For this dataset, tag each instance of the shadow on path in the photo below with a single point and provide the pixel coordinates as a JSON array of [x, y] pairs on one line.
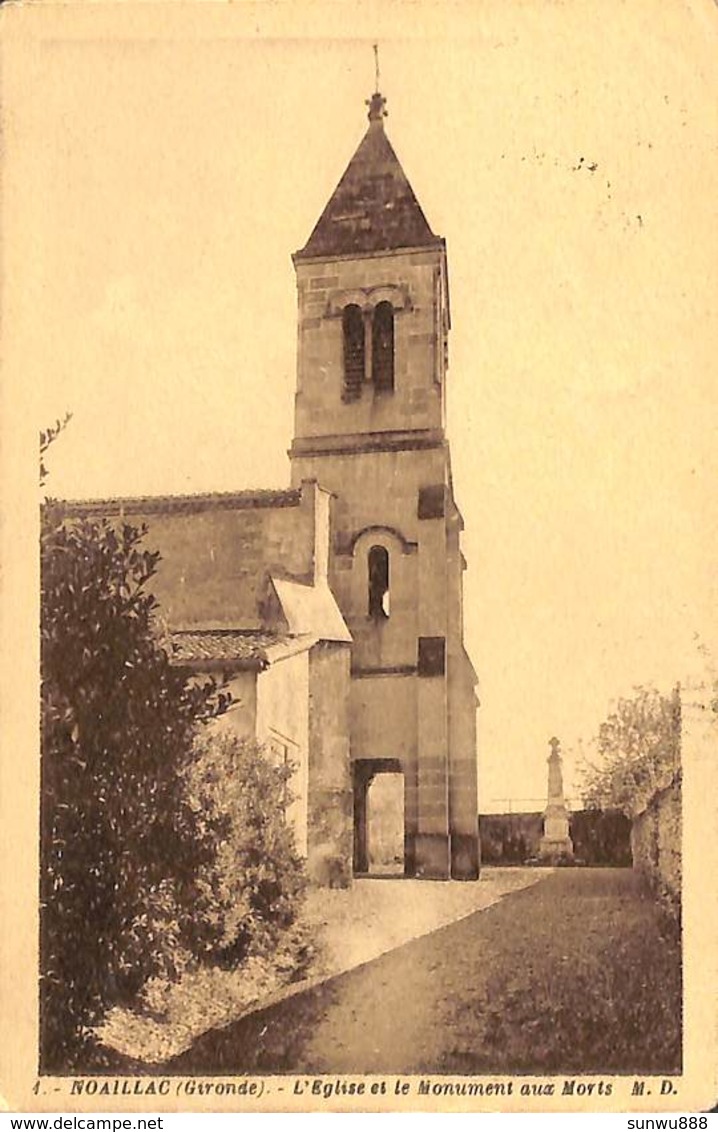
[[559, 977]]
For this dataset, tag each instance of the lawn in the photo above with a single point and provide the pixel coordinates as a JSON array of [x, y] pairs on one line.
[[579, 973]]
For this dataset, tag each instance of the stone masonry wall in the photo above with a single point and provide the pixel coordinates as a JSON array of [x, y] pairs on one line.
[[282, 722], [330, 810], [656, 844], [217, 550], [599, 837], [322, 290]]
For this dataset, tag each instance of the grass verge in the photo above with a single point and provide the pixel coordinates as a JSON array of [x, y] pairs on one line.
[[580, 973]]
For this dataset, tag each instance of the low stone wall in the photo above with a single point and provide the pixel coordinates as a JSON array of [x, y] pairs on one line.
[[599, 838], [509, 839], [656, 844]]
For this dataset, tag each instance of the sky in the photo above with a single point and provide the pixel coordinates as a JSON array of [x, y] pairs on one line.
[[163, 163]]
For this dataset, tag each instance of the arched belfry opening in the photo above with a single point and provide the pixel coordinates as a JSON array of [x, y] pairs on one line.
[[354, 363], [382, 347], [378, 587]]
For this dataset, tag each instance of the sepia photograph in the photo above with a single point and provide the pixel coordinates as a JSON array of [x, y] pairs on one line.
[[361, 646]]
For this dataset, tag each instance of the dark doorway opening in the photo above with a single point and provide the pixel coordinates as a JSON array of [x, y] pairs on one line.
[[379, 827]]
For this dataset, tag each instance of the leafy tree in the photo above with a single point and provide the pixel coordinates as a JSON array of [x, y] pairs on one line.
[[161, 843], [249, 891], [639, 751], [119, 848]]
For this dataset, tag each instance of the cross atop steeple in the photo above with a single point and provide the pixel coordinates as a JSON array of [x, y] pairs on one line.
[[373, 208], [377, 102], [376, 105]]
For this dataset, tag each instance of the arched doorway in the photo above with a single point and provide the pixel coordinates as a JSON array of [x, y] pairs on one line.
[[379, 829]]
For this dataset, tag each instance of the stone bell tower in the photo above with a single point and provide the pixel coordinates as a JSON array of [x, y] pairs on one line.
[[373, 309]]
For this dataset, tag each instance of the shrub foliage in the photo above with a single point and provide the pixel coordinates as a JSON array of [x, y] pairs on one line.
[[119, 851], [249, 889], [164, 842]]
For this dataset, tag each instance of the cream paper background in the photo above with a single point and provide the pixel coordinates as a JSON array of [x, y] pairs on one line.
[[160, 163]]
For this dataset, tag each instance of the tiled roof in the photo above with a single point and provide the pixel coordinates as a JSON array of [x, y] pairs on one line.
[[373, 208], [242, 646], [163, 504]]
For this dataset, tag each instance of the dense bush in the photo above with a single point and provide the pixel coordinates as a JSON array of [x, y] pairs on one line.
[[163, 842], [250, 888], [601, 837], [120, 853]]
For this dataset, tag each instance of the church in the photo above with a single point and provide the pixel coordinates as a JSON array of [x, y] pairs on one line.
[[333, 608]]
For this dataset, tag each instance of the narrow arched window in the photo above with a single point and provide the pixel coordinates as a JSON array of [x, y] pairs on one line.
[[382, 347], [378, 582], [353, 326]]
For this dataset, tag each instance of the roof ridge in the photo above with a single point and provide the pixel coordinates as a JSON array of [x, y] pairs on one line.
[[249, 497], [226, 631]]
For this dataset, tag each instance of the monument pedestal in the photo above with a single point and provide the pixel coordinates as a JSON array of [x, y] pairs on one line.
[[552, 847]]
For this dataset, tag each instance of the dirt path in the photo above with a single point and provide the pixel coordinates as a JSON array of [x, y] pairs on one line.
[[557, 977]]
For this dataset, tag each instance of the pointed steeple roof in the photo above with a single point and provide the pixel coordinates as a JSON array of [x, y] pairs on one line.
[[373, 208]]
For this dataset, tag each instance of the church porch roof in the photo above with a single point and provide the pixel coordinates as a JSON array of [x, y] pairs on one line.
[[311, 610], [244, 648]]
